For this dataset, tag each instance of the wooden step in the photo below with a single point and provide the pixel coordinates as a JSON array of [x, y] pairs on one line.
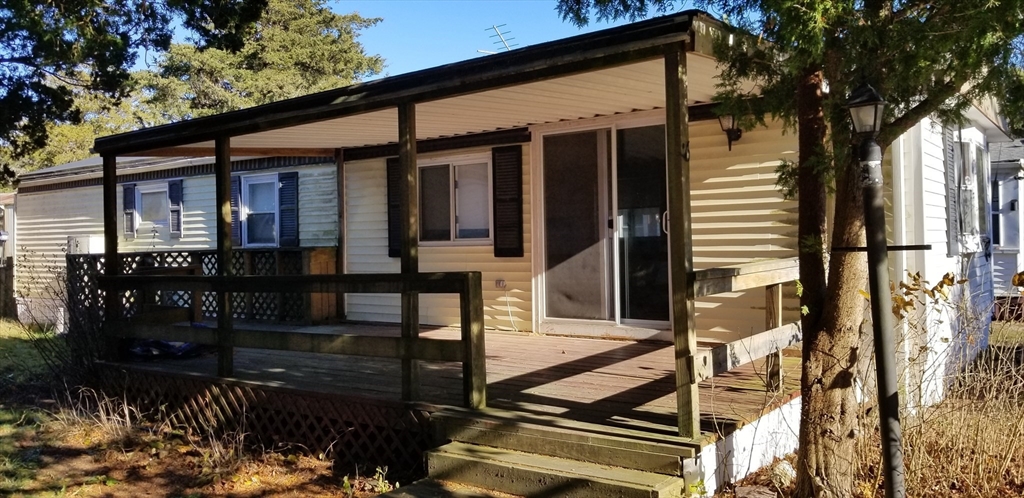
[[566, 439], [430, 488], [536, 476]]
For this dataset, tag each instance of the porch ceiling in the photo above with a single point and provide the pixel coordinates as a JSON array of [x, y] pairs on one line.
[[602, 92]]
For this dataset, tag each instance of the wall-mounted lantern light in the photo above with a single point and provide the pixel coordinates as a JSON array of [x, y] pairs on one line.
[[728, 124]]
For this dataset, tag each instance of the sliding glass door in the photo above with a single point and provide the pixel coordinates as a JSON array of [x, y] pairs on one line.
[[605, 239]]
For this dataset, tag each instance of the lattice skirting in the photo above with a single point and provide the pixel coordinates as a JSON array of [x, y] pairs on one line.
[[357, 432]]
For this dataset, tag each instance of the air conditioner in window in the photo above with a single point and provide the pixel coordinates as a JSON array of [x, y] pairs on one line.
[[85, 244]]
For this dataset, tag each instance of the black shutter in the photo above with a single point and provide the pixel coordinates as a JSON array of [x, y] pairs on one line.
[[507, 178], [236, 222], [129, 209], [952, 193], [174, 196], [288, 208], [394, 179]]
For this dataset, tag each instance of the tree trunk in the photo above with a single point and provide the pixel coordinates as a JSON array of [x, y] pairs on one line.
[[829, 413], [812, 195]]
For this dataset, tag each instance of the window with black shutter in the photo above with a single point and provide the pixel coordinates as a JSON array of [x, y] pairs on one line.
[[265, 210], [473, 199]]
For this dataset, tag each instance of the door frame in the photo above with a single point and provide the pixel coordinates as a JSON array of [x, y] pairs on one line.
[[615, 327]]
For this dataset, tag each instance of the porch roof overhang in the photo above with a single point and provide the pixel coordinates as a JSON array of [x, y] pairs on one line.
[[613, 71]]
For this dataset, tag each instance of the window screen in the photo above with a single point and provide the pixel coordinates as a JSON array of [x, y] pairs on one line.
[[261, 221], [435, 203], [154, 207]]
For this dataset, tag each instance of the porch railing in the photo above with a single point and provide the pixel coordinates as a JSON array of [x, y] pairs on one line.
[[469, 350], [770, 275], [83, 270]]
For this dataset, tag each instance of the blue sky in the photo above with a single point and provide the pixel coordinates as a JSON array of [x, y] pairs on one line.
[[417, 34]]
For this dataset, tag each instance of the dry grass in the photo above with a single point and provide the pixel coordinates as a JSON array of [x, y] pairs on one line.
[[971, 444]]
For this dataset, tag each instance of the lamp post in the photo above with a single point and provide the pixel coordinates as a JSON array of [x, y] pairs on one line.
[[866, 108]]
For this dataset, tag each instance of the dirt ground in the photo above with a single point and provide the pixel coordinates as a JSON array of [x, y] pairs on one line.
[[41, 455], [49, 449]]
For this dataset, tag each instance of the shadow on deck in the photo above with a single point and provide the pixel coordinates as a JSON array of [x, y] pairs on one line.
[[624, 384]]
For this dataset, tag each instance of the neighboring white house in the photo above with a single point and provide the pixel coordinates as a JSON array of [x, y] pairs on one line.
[[1007, 237], [167, 204], [941, 181]]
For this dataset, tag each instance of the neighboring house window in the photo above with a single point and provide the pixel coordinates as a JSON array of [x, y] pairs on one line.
[[259, 204], [455, 201], [967, 196], [967, 162], [264, 210], [153, 205], [997, 220]]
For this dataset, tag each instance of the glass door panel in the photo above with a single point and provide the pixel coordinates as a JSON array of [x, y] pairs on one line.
[[576, 214], [642, 238]]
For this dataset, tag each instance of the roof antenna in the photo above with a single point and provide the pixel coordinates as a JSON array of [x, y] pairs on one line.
[[500, 35]]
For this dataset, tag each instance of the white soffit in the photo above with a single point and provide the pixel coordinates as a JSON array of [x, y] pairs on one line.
[[615, 90]]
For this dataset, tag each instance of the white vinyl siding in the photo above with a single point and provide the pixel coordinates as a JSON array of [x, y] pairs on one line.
[[367, 252], [947, 343], [45, 221], [318, 206]]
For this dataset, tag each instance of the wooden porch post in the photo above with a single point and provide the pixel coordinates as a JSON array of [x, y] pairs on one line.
[[112, 309], [339, 268], [409, 192], [773, 320], [225, 324], [684, 329]]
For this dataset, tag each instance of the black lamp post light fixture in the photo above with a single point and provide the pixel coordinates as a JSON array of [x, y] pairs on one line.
[[867, 108], [728, 124]]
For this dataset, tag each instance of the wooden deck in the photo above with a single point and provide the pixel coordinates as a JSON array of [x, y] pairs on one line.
[[620, 383]]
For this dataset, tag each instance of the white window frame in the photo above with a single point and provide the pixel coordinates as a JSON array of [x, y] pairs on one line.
[[453, 162], [151, 188], [243, 208], [968, 153]]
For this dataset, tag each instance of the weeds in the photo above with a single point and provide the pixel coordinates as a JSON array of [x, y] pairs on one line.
[[962, 428], [99, 418]]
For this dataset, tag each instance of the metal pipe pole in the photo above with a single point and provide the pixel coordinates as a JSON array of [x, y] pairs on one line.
[[881, 318]]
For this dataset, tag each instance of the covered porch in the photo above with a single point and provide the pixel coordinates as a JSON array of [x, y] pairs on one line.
[[662, 66]]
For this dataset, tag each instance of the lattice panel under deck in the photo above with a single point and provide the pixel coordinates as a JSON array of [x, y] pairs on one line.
[[355, 431]]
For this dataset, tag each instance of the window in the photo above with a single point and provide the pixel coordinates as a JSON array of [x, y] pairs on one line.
[[969, 222], [498, 219], [152, 204], [259, 201], [265, 210], [455, 201]]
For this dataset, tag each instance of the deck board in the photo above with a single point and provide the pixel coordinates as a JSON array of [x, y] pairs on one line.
[[621, 383]]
